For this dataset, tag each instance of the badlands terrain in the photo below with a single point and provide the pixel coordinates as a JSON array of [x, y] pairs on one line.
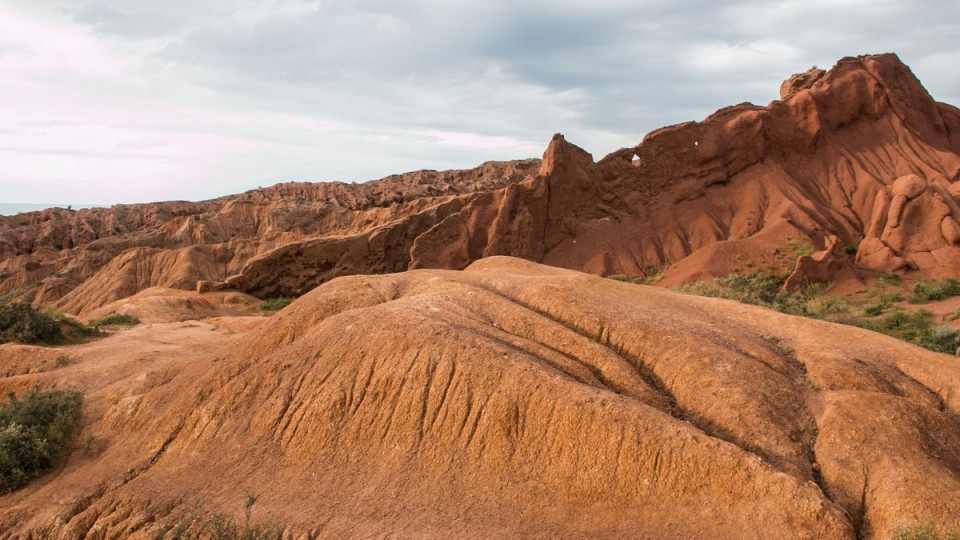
[[455, 363]]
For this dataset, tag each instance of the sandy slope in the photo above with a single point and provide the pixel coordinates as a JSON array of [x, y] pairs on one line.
[[508, 399]]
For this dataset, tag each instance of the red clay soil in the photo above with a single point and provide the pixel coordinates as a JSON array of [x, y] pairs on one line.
[[510, 399], [859, 157]]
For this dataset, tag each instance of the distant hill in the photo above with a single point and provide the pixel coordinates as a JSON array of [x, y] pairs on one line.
[[10, 209]]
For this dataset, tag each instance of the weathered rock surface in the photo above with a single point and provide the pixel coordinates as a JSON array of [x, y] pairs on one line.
[[800, 81], [510, 399], [861, 153]]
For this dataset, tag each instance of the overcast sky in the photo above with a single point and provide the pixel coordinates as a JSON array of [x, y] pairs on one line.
[[144, 100]]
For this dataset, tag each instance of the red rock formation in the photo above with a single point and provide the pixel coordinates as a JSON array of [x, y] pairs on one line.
[[702, 199]]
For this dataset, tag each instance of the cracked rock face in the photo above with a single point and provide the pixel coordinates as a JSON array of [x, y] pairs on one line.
[[509, 399], [914, 226]]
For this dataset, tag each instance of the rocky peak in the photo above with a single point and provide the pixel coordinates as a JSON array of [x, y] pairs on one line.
[[801, 81]]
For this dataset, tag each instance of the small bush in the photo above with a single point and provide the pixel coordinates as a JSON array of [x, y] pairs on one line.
[[276, 303], [892, 279], [942, 338], [933, 291], [758, 288], [34, 429], [907, 325], [22, 323], [619, 277], [115, 319], [91, 444]]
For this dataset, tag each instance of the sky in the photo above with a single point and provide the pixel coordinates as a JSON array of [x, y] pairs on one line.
[[137, 100]]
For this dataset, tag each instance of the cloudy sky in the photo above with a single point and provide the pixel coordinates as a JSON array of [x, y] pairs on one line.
[[139, 100]]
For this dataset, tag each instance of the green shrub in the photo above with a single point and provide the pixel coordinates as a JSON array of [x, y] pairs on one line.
[[72, 330], [907, 325], [34, 429], [276, 303], [115, 319], [22, 323], [619, 277], [759, 288], [942, 338], [933, 291]]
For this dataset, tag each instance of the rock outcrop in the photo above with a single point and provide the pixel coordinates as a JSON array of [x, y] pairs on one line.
[[915, 224], [861, 153]]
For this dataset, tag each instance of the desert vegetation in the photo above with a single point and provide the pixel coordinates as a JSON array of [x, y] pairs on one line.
[[276, 303], [22, 323], [115, 319], [219, 526], [914, 326], [933, 291], [34, 430], [922, 532]]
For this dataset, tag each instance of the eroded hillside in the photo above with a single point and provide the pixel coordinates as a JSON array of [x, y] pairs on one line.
[[529, 401], [860, 157]]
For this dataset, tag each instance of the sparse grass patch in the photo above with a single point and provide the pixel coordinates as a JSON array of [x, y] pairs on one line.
[[883, 304], [219, 526], [10, 296], [800, 249], [92, 446], [277, 303], [892, 279], [805, 381], [766, 289], [116, 319], [922, 532], [34, 429], [924, 292], [776, 340]]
